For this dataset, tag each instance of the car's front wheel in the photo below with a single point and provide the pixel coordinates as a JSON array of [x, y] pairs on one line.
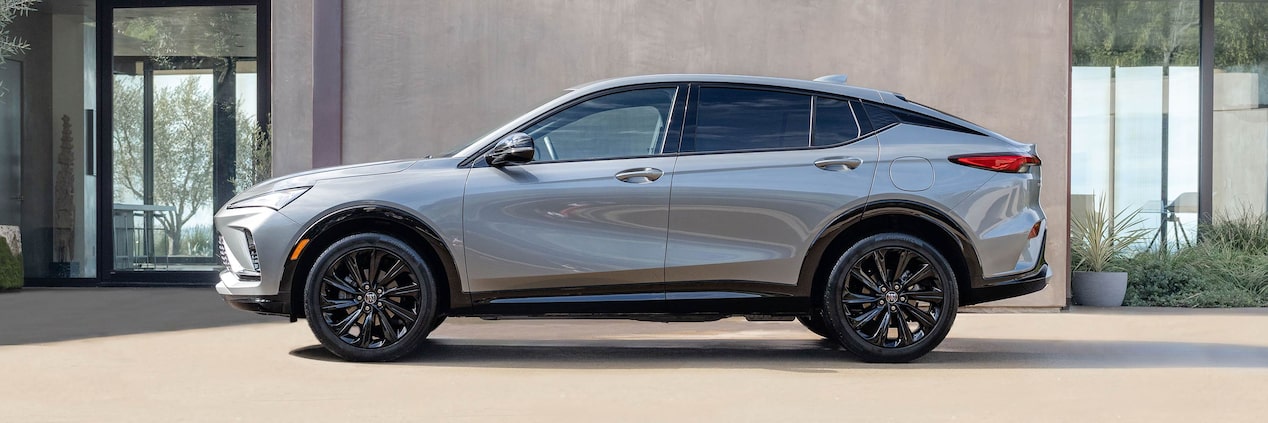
[[370, 297], [814, 322], [890, 298]]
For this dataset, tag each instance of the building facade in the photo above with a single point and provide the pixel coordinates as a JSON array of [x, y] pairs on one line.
[[128, 122]]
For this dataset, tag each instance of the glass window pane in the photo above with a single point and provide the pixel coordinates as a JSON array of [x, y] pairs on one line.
[[1240, 141], [625, 124], [1134, 111], [834, 122], [737, 119], [184, 102], [47, 142]]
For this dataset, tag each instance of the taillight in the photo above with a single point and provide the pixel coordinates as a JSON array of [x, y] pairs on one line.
[[1012, 163]]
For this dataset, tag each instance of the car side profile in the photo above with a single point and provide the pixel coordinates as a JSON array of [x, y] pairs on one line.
[[867, 217]]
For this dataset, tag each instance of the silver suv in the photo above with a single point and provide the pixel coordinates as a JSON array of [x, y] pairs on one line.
[[867, 217]]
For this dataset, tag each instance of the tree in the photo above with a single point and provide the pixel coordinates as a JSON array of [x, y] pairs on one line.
[[182, 154], [182, 147], [255, 152], [12, 46], [1136, 33], [183, 126], [10, 10]]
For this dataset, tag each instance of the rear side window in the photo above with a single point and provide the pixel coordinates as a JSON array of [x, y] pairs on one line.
[[730, 119], [882, 116], [834, 122]]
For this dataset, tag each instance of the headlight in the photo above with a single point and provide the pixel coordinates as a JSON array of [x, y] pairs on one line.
[[274, 200]]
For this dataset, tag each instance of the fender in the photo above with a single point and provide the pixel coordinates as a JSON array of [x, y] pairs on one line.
[[369, 213], [849, 221]]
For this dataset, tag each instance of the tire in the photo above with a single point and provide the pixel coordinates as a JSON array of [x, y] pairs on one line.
[[435, 322], [382, 323], [815, 323], [883, 324]]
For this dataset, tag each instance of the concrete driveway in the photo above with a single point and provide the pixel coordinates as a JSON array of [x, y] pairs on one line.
[[197, 360]]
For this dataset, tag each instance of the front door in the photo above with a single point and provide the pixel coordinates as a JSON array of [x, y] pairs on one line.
[[589, 212]]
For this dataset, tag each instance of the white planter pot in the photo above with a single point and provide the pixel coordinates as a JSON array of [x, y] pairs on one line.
[[1099, 289]]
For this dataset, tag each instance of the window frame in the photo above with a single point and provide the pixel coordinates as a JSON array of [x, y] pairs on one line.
[[669, 146]]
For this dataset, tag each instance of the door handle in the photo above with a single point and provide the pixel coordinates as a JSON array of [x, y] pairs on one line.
[[639, 175], [838, 163]]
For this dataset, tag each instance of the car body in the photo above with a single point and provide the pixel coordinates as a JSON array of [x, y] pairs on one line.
[[868, 217]]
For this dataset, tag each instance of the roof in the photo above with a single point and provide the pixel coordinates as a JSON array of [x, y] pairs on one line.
[[827, 87]]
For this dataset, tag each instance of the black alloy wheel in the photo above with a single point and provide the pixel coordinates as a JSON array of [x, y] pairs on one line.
[[890, 298], [370, 298]]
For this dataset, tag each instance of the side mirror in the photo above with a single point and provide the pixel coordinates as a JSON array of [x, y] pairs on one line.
[[514, 148]]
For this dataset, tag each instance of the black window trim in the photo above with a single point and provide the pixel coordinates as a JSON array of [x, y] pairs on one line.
[[672, 129]]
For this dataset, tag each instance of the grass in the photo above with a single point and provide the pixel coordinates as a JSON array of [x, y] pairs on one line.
[[10, 267], [1228, 267]]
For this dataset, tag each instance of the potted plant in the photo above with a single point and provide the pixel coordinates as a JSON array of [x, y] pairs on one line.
[[1097, 238]]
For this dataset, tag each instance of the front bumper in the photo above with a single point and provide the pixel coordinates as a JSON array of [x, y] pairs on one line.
[[254, 243], [275, 305]]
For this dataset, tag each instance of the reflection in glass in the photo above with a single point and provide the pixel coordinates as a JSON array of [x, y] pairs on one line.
[[50, 92], [1134, 111], [184, 123], [1240, 139]]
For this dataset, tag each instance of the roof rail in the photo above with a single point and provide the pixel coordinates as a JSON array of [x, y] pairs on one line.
[[833, 79]]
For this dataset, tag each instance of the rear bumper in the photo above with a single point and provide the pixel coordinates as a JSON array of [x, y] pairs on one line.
[[1013, 287]]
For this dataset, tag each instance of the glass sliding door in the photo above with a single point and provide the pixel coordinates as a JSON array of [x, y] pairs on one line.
[[184, 113]]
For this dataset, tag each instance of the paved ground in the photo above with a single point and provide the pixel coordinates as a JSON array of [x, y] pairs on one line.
[[178, 355]]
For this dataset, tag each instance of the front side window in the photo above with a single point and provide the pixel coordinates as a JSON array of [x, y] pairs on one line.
[[624, 124], [740, 119]]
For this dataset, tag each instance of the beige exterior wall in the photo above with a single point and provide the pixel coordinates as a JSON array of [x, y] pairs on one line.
[[292, 85], [421, 77]]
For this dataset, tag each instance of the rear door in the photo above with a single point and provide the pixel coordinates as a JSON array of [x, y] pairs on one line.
[[761, 172]]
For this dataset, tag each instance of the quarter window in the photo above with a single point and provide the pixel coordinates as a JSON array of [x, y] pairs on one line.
[[834, 122], [740, 119], [624, 124]]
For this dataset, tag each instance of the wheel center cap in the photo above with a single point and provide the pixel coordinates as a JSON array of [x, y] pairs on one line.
[[891, 297], [371, 297]]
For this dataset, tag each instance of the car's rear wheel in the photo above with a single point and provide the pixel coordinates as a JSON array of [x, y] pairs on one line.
[[370, 297], [890, 298]]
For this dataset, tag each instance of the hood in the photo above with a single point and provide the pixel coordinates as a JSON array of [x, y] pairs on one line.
[[310, 177]]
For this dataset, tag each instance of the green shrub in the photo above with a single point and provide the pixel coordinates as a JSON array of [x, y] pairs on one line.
[[1249, 234], [10, 267], [1227, 268]]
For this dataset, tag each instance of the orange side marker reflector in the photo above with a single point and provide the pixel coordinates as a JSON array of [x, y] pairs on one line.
[[299, 247], [1034, 230]]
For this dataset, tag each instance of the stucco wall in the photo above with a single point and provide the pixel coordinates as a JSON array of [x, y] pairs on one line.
[[292, 85], [423, 76]]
